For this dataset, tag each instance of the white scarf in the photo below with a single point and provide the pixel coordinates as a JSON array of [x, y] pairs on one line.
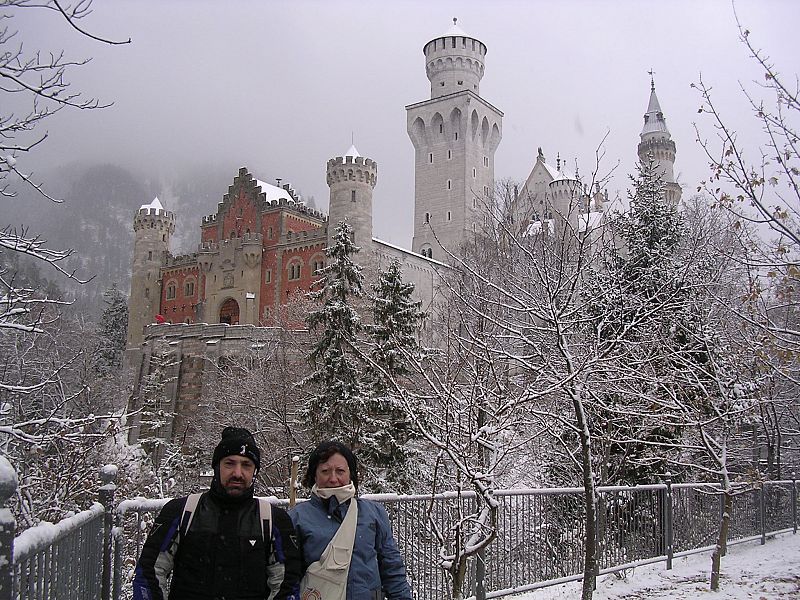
[[343, 493]]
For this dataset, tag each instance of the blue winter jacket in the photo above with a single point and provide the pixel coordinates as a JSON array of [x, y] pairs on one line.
[[376, 570]]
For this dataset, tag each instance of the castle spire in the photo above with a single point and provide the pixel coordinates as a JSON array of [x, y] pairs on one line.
[[654, 121], [656, 144]]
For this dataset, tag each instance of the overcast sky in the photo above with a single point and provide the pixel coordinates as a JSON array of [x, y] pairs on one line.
[[280, 86]]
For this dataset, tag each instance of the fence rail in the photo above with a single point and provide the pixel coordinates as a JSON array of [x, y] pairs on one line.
[[540, 537]]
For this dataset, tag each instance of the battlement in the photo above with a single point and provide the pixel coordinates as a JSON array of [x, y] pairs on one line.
[[154, 218], [238, 242], [182, 260], [305, 236], [352, 160], [352, 169]]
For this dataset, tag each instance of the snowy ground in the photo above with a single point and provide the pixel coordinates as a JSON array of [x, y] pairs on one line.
[[750, 571]]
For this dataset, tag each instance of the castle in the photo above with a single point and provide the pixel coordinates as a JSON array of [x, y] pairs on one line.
[[264, 247]]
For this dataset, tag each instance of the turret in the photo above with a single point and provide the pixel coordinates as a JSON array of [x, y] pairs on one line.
[[565, 198], [351, 179], [657, 141], [152, 226], [454, 62]]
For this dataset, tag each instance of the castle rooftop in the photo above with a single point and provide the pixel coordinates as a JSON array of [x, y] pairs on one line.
[[455, 30], [156, 204], [273, 192]]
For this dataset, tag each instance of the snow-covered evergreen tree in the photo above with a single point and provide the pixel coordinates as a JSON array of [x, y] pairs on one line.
[[113, 330], [396, 320], [338, 403]]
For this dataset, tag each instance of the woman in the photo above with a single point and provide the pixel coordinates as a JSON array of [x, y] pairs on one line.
[[376, 569]]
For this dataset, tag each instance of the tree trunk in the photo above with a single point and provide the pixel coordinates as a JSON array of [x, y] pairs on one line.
[[590, 504], [459, 577], [722, 541]]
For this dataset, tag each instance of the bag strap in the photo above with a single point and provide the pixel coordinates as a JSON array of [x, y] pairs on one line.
[[188, 512], [346, 534], [265, 516]]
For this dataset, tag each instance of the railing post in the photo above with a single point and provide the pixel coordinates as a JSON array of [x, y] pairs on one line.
[[794, 502], [762, 511], [668, 533], [108, 475], [8, 487]]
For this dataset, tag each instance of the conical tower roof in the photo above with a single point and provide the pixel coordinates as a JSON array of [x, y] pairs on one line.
[[654, 121]]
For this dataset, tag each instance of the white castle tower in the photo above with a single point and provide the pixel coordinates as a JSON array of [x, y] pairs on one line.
[[656, 140], [455, 135], [152, 228], [351, 179]]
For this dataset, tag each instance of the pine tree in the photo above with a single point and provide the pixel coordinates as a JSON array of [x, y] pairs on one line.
[[337, 406], [113, 331], [638, 296], [396, 322]]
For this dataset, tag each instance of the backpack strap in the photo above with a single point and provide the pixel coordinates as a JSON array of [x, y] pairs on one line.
[[188, 512], [265, 516]]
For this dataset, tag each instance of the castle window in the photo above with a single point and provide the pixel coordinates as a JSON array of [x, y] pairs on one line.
[[460, 82], [449, 184], [188, 289], [430, 157], [318, 266], [269, 233], [352, 195], [171, 290], [427, 217], [486, 190], [441, 125], [267, 276], [294, 271], [449, 154], [146, 292], [449, 216], [164, 238], [474, 202], [149, 255], [485, 161], [454, 42], [474, 172], [456, 135]]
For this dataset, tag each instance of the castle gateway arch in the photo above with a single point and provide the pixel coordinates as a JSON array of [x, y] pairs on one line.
[[229, 312]]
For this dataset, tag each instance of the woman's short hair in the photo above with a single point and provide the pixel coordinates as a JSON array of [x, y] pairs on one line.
[[322, 453]]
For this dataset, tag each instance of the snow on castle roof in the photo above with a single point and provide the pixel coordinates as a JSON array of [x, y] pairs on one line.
[[352, 151], [156, 203], [455, 29], [273, 192]]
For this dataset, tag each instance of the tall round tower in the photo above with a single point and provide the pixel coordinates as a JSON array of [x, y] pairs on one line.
[[352, 178], [454, 62], [152, 228], [656, 140], [455, 134]]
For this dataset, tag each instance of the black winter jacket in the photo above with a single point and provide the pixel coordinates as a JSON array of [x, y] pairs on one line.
[[223, 556]]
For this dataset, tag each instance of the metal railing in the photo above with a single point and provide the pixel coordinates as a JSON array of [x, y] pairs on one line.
[[540, 537]]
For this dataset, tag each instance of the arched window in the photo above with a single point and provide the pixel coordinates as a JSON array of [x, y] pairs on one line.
[[172, 288], [295, 267], [188, 288]]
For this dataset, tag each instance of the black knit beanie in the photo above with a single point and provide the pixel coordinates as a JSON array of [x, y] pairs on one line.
[[239, 441]]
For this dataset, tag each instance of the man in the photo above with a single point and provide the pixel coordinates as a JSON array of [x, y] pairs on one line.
[[219, 551]]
